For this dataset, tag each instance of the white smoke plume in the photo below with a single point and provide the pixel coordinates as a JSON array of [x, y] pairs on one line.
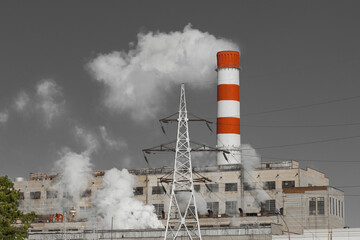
[[116, 201], [21, 101], [50, 100], [251, 160], [88, 139], [47, 101], [4, 116], [137, 80], [111, 142], [184, 197], [75, 169]]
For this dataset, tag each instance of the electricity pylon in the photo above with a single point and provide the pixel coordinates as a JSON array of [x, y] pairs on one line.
[[182, 215]]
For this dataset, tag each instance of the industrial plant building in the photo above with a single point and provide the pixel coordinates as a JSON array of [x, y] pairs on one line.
[[272, 199], [297, 199]]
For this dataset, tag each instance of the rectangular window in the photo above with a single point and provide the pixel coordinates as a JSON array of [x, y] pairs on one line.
[[336, 207], [212, 187], [333, 206], [86, 193], [51, 194], [342, 209], [157, 190], [248, 186], [159, 210], [270, 206], [138, 191], [230, 207], [213, 206], [288, 184], [312, 206], [330, 205], [197, 188], [35, 195], [269, 185], [230, 187], [67, 195], [320, 206]]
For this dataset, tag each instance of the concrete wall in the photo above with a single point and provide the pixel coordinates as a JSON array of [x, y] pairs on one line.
[[296, 206]]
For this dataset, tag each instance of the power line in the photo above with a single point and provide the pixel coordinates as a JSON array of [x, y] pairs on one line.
[[300, 106], [302, 160], [307, 143], [302, 126], [303, 106]]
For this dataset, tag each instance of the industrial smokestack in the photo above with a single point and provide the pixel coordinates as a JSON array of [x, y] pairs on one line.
[[228, 116]]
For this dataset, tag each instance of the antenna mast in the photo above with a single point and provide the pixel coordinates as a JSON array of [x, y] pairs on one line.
[[182, 219]]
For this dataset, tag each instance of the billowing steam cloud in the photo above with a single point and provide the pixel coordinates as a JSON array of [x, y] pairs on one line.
[[251, 160], [116, 201], [137, 80], [76, 169]]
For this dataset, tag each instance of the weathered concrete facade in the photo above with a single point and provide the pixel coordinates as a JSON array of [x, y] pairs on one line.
[[280, 193]]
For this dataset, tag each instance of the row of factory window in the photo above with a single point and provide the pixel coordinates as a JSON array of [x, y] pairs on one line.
[[53, 194], [336, 207], [317, 206], [229, 187], [231, 208]]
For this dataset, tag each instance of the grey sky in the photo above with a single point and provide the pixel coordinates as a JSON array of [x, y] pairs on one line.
[[292, 53]]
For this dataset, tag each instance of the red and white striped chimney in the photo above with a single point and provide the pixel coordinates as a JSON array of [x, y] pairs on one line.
[[228, 116]]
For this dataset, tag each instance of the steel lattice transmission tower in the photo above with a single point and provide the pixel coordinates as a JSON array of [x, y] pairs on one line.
[[182, 218]]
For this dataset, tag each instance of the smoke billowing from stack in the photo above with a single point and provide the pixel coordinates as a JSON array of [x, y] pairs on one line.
[[228, 118]]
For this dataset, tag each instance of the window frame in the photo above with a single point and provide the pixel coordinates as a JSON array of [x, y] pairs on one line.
[[157, 190], [231, 187], [288, 184], [35, 195]]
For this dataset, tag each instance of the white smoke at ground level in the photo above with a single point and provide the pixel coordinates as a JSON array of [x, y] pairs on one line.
[[75, 171], [116, 202], [137, 80]]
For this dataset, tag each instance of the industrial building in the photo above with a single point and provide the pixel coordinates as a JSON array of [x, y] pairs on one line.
[[298, 199], [273, 199]]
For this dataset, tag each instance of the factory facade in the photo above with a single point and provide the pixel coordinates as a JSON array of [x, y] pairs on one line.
[[275, 193]]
